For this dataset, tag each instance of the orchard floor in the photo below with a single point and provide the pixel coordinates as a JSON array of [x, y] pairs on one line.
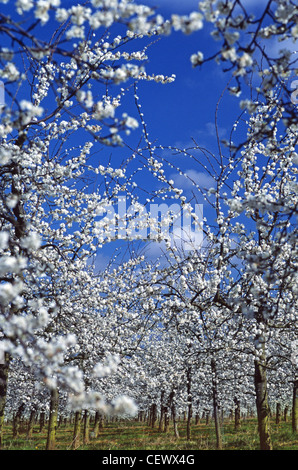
[[131, 435]]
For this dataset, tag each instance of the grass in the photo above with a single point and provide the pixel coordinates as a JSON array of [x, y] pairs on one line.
[[131, 435]]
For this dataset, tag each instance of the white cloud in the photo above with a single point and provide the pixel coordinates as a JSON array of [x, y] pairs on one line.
[[100, 262], [192, 178], [274, 46], [184, 239], [212, 130]]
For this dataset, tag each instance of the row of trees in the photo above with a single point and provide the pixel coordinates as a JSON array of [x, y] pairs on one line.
[[216, 324]]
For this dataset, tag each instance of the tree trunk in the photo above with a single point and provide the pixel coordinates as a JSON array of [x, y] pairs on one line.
[[189, 399], [216, 406], [31, 423], [166, 419], [161, 419], [153, 414], [262, 404], [96, 424], [295, 407], [175, 424], [3, 390], [77, 430], [172, 407], [17, 420], [286, 414], [52, 426], [41, 421], [237, 413], [278, 413], [86, 427]]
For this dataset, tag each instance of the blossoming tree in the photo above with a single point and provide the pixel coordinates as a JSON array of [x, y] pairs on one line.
[[66, 72], [60, 78]]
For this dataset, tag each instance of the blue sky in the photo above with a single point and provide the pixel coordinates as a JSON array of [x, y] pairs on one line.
[[184, 110]]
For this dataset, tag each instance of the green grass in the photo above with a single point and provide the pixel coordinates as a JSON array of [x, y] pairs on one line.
[[130, 435]]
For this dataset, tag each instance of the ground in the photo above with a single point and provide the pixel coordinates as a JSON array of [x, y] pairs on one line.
[[131, 435]]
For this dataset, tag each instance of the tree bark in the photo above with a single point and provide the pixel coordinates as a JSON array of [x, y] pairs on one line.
[[286, 414], [161, 418], [263, 411], [189, 399], [41, 421], [237, 413], [96, 424], [216, 406], [52, 426], [175, 424], [17, 420], [86, 427], [77, 430], [31, 423], [153, 413], [166, 419], [172, 407], [278, 413], [4, 368], [295, 407]]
